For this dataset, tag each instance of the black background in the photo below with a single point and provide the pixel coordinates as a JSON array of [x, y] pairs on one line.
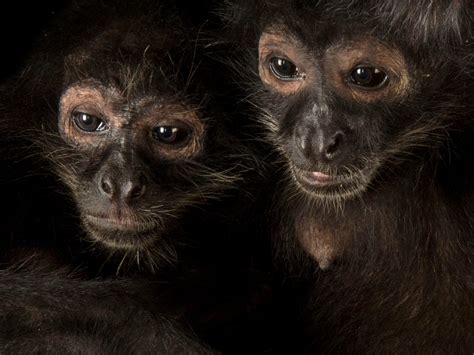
[[21, 23]]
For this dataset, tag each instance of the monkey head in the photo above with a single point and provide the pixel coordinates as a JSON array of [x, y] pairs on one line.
[[348, 88], [130, 138]]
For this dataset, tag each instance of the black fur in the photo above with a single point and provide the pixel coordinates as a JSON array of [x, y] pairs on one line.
[[54, 312], [398, 253], [141, 48]]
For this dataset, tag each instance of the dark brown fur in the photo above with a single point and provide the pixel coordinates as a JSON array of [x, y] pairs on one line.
[[397, 253], [129, 51]]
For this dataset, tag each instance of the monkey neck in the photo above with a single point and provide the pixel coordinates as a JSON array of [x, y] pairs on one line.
[[413, 219], [392, 262]]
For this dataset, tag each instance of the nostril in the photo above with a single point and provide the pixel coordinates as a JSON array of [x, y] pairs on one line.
[[138, 188], [106, 186], [335, 144], [137, 191]]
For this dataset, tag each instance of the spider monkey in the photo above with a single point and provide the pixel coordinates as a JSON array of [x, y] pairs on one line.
[[370, 106], [118, 101], [124, 134]]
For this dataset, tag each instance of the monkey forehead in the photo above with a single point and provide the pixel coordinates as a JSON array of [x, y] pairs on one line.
[[367, 45], [96, 91], [83, 91], [278, 33], [279, 39], [362, 43]]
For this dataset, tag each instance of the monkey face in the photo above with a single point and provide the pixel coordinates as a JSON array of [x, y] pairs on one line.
[[126, 175], [328, 108], [138, 137]]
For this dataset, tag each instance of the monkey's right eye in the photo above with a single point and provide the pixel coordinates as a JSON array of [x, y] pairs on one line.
[[283, 69], [88, 123]]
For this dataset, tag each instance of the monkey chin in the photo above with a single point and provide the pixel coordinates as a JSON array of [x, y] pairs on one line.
[[124, 238]]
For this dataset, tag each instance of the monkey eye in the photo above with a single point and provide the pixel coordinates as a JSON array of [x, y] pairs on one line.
[[283, 69], [88, 123], [171, 135], [368, 77]]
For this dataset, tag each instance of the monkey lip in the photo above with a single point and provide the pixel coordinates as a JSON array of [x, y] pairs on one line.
[[317, 178], [122, 231], [320, 178], [112, 223], [331, 183]]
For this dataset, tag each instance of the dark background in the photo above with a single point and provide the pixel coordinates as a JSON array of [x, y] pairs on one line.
[[21, 24]]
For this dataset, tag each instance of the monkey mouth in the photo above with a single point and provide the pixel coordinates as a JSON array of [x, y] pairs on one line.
[[318, 178], [119, 224], [326, 185], [120, 233]]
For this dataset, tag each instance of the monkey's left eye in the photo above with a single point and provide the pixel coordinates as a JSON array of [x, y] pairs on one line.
[[88, 123], [171, 135], [283, 69], [368, 77]]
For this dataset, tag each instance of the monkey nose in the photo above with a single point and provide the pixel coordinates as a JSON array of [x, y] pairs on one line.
[[123, 188], [318, 146]]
